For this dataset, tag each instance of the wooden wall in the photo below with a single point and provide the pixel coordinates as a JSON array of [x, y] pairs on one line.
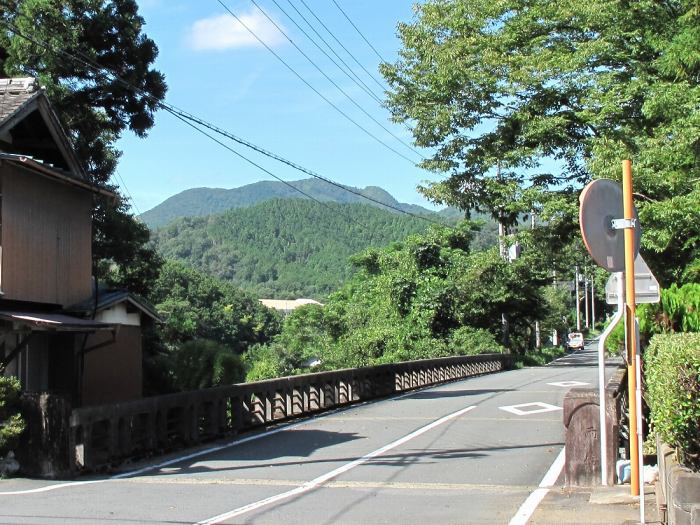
[[113, 373], [46, 238]]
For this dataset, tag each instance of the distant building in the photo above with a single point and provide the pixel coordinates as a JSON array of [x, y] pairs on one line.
[[286, 306]]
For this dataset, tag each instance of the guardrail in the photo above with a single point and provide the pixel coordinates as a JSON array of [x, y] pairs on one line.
[[106, 435]]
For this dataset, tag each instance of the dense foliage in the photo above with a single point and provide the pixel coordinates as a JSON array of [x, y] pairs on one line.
[[283, 248], [672, 371], [426, 297], [11, 422], [94, 108], [677, 311], [201, 315], [197, 202], [202, 364], [496, 87]]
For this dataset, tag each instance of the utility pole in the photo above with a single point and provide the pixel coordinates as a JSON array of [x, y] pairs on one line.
[[578, 300], [538, 337], [585, 295], [592, 303]]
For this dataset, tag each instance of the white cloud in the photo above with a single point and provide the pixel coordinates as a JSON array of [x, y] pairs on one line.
[[222, 32]]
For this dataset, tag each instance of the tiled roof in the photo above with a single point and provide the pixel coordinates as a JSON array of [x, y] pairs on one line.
[[15, 93]]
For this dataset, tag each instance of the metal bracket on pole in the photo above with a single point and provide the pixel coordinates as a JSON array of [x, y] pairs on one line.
[[623, 224], [601, 380]]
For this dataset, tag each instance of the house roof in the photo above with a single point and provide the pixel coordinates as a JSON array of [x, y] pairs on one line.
[[30, 127], [108, 298], [287, 305], [14, 94], [54, 322], [52, 172]]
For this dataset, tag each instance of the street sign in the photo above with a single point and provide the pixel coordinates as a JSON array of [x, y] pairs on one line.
[[646, 286], [601, 204]]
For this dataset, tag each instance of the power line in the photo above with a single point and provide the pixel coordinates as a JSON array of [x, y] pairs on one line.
[[261, 168], [358, 31], [193, 119], [128, 193], [370, 75], [347, 70], [334, 106]]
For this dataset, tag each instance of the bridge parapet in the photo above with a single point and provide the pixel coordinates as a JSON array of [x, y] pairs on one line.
[[106, 435]]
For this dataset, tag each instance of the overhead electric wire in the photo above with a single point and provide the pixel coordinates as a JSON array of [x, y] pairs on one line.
[[320, 70], [358, 31], [190, 118], [370, 75], [265, 170], [128, 193], [347, 71]]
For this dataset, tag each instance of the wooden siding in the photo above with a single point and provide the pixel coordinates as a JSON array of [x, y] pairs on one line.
[[113, 373], [46, 239]]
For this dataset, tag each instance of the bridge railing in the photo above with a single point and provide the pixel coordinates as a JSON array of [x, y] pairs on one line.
[[102, 436]]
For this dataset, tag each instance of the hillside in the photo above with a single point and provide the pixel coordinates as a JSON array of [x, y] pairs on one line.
[[283, 248], [198, 202]]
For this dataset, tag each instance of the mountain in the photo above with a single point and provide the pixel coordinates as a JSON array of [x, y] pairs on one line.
[[283, 248], [198, 202]]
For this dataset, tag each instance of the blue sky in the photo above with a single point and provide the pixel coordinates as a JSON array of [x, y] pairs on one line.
[[217, 71]]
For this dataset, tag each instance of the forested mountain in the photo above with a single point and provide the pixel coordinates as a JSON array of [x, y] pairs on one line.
[[283, 248], [198, 202]]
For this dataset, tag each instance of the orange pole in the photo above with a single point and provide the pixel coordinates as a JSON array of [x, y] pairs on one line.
[[631, 336]]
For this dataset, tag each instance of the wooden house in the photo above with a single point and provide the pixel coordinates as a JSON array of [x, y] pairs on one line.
[[46, 203]]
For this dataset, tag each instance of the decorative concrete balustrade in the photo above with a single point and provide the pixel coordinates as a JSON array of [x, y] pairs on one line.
[[107, 435]]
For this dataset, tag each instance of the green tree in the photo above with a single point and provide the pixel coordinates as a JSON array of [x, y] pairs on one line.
[[495, 87], [425, 297], [11, 421], [202, 364], [94, 108], [196, 306], [204, 314]]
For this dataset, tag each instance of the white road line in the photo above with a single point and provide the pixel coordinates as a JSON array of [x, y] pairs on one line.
[[157, 466], [550, 478], [316, 482]]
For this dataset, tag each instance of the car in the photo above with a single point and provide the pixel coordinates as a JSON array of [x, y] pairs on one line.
[[574, 341]]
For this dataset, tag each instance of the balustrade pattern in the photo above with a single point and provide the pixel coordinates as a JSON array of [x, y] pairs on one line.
[[106, 435]]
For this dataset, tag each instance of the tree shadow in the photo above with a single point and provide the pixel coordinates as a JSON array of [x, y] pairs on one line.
[[270, 456]]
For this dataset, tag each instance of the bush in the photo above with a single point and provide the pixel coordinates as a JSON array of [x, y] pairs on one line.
[[202, 364], [11, 422], [672, 371]]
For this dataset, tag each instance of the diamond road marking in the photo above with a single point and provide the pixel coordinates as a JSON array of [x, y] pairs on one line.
[[567, 384], [543, 407]]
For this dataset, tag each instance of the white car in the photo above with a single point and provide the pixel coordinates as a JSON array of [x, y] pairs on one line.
[[574, 341]]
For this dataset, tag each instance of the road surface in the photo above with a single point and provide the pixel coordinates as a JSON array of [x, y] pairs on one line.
[[473, 451]]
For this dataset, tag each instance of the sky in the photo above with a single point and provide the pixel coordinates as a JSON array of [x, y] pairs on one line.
[[216, 70]]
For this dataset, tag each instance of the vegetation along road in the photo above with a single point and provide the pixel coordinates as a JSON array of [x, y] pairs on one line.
[[470, 451]]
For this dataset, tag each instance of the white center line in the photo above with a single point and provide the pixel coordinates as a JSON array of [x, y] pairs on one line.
[[316, 482]]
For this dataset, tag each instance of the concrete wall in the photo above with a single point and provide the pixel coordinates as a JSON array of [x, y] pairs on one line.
[[107, 434]]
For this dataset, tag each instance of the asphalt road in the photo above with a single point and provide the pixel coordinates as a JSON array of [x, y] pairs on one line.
[[472, 451]]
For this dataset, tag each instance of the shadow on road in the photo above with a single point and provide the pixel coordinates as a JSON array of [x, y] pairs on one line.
[[269, 457], [433, 394]]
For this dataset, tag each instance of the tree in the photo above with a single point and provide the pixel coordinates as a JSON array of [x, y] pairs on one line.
[[428, 296], [495, 87], [94, 108]]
